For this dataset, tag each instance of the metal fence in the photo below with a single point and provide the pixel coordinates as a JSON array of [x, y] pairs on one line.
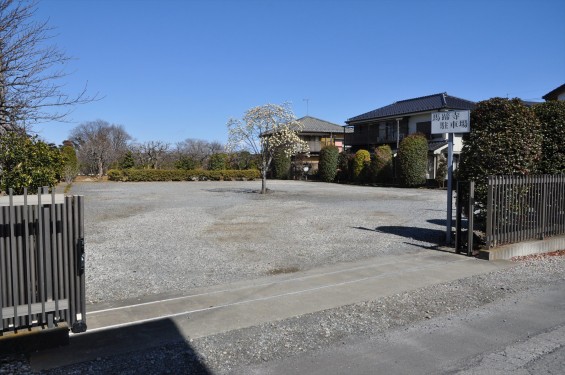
[[521, 208], [41, 262]]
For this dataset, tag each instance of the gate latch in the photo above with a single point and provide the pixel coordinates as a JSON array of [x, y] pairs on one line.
[[80, 256]]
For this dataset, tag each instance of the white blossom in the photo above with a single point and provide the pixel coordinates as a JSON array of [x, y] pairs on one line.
[[265, 130]]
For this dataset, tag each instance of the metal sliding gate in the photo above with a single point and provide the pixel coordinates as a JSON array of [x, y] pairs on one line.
[[41, 262], [465, 193]]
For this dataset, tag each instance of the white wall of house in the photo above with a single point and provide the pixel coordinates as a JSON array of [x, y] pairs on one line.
[[457, 143], [413, 120], [561, 96]]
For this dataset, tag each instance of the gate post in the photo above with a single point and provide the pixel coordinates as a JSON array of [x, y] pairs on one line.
[[471, 217], [490, 199], [458, 204]]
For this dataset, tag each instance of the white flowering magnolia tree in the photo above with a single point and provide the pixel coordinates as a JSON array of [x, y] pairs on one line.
[[264, 131]]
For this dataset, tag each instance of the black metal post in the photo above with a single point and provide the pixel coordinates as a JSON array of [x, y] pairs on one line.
[[458, 210], [471, 216]]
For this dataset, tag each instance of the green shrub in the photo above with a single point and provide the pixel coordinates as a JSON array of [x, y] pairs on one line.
[[382, 164], [505, 138], [327, 167], [27, 162], [139, 175], [70, 167], [281, 166], [218, 162], [441, 171], [127, 161], [187, 163], [361, 163], [413, 160], [345, 162], [116, 175], [551, 116], [243, 160]]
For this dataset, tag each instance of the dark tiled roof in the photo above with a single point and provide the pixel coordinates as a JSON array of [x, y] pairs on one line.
[[552, 95], [315, 125], [436, 145], [416, 105], [528, 103]]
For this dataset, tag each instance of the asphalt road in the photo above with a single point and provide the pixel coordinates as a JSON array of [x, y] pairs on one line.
[[522, 334]]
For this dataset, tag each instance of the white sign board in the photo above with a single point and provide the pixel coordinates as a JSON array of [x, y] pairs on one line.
[[451, 122]]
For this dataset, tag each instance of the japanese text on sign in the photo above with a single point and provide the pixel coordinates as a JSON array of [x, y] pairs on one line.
[[451, 122]]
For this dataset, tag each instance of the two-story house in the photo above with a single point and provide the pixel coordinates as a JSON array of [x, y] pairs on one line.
[[391, 123], [319, 133]]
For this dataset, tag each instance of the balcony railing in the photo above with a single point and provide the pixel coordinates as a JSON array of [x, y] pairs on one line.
[[363, 139]]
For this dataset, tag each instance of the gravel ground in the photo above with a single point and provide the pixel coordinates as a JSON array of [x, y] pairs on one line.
[[219, 354], [210, 233], [153, 238]]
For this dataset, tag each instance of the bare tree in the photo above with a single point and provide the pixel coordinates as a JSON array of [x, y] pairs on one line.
[[198, 150], [99, 144], [266, 130], [31, 70], [215, 147], [150, 154]]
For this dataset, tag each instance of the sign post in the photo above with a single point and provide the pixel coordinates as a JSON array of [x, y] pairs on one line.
[[450, 122]]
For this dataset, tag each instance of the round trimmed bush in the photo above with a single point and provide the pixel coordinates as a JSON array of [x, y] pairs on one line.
[[413, 160], [382, 164], [327, 167], [281, 166], [344, 163], [361, 163]]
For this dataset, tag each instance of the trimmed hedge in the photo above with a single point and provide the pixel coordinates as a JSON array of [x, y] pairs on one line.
[[505, 138], [327, 167], [280, 166], [552, 118], [381, 167], [344, 164], [139, 175], [361, 163], [413, 160]]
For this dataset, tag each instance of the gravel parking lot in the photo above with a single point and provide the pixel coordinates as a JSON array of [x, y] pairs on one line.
[[280, 232], [155, 238]]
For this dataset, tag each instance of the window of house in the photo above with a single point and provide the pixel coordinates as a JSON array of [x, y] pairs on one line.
[[424, 128], [391, 130], [382, 131]]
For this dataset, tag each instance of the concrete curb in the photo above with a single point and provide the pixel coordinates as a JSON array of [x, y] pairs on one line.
[[524, 248]]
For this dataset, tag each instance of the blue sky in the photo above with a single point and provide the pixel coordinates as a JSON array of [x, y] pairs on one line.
[[170, 70]]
